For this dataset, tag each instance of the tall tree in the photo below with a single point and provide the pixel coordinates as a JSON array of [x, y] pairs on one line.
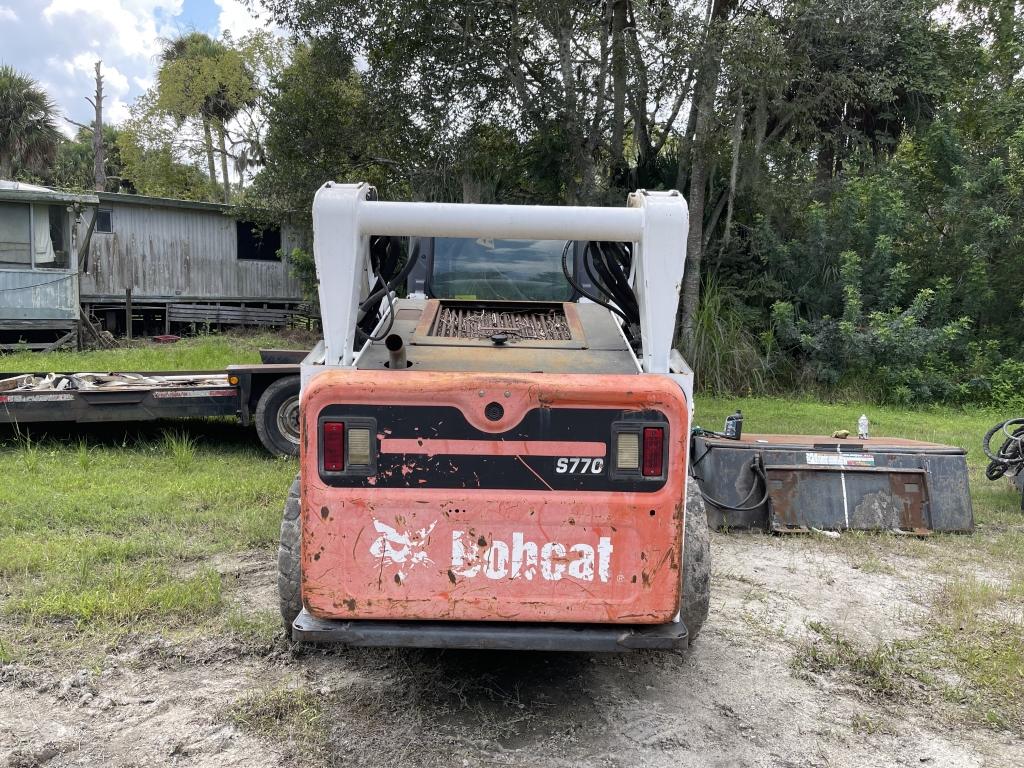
[[28, 127], [702, 116], [583, 71], [207, 80], [153, 167], [322, 126], [99, 180], [99, 171]]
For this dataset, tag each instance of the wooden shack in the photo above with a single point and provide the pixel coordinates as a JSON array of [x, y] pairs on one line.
[[39, 251], [166, 261]]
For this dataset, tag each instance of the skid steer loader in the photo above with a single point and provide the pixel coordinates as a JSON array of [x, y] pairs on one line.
[[500, 459]]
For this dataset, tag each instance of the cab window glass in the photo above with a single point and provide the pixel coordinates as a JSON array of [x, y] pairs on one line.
[[499, 270]]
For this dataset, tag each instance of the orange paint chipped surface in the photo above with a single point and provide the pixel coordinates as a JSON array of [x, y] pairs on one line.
[[469, 553]]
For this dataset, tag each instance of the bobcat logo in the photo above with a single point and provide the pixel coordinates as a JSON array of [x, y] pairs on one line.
[[406, 550]]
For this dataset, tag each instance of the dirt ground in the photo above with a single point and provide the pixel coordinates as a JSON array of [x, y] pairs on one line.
[[734, 699]]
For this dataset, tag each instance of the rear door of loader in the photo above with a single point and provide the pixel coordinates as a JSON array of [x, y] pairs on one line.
[[531, 498]]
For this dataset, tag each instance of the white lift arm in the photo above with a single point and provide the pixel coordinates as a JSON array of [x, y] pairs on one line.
[[346, 215]]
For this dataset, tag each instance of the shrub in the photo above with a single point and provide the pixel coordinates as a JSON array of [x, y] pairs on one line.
[[900, 355], [725, 356]]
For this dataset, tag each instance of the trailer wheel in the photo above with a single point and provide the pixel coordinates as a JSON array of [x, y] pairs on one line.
[[696, 563], [289, 567], [277, 417]]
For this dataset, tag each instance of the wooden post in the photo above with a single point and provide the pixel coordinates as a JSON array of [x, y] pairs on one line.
[[167, 318], [85, 309], [128, 312]]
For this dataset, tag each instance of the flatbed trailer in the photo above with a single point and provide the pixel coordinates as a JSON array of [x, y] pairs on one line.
[[264, 395]]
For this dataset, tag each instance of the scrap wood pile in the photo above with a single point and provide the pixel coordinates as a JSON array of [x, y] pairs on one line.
[[55, 382]]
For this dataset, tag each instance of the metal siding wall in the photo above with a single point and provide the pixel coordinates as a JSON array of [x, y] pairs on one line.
[[41, 294], [49, 301], [180, 252]]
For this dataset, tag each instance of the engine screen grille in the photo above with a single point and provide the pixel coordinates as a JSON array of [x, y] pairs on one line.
[[546, 324]]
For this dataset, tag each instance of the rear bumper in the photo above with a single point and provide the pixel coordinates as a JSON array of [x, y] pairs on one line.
[[593, 638]]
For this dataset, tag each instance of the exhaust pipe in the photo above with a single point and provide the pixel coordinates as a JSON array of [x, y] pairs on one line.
[[396, 352]]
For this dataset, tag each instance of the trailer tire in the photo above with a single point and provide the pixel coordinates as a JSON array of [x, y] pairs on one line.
[[277, 417], [696, 598], [289, 565]]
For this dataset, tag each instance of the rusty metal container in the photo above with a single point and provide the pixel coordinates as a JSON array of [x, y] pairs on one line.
[[795, 483]]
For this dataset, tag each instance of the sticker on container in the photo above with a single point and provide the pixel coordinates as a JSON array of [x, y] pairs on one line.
[[45, 398], [841, 459], [194, 393]]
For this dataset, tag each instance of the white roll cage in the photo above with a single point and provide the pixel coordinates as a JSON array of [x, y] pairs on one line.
[[346, 215]]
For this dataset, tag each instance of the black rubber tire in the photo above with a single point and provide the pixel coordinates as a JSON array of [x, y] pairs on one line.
[[282, 394], [289, 566], [696, 598]]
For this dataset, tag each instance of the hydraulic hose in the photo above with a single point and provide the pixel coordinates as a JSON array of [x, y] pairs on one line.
[[374, 298], [580, 290], [382, 286], [612, 282], [758, 470]]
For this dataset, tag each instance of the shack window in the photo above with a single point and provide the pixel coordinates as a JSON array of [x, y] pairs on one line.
[[15, 235], [50, 236], [257, 243], [104, 220]]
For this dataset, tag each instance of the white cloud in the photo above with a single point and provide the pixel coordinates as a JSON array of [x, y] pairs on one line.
[[113, 80], [59, 41], [131, 26], [238, 20], [115, 111]]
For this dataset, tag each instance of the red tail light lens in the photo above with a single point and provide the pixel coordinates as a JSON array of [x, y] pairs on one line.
[[654, 454], [334, 446]]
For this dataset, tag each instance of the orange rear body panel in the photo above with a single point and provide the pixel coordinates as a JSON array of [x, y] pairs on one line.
[[399, 547]]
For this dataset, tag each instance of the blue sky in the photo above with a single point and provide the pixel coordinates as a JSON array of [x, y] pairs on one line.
[[57, 42]]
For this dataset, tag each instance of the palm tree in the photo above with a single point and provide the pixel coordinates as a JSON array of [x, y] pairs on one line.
[[203, 78], [28, 129]]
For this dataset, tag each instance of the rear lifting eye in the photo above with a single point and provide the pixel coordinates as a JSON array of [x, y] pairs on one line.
[[494, 411]]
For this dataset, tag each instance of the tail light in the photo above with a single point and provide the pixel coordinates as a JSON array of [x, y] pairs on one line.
[[627, 451], [638, 450], [348, 445], [358, 447], [654, 451], [334, 446]]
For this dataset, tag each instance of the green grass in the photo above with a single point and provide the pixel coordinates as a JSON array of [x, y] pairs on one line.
[[286, 715], [978, 625], [124, 593], [884, 671], [200, 353], [103, 534], [110, 529], [181, 448]]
